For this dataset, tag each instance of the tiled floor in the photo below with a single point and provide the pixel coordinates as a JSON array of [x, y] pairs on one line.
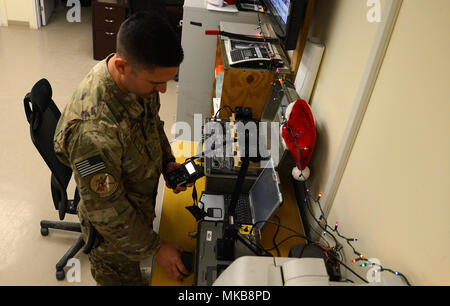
[[62, 53]]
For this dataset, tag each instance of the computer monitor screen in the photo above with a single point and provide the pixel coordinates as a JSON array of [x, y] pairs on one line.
[[287, 19], [280, 10], [265, 196]]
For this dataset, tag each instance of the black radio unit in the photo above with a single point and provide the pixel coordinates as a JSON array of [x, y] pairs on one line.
[[189, 172]]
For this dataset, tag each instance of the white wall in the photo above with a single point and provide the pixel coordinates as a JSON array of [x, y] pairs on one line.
[[394, 194], [348, 37], [3, 16], [18, 10]]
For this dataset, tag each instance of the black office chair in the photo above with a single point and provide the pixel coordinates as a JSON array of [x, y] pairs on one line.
[[43, 117]]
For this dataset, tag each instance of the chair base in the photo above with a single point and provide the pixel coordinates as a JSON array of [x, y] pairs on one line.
[[76, 247], [65, 226]]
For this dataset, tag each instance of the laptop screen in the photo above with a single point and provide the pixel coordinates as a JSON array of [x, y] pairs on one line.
[[265, 196]]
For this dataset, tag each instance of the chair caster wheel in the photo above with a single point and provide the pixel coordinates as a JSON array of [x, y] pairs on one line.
[[44, 231], [60, 275]]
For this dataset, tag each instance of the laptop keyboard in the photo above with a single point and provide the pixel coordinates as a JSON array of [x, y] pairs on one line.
[[243, 212], [237, 55]]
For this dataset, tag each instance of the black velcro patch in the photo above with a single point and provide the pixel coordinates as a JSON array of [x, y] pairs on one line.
[[90, 166]]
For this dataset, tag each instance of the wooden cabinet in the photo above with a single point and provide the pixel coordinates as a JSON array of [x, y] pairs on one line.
[[107, 16], [245, 87]]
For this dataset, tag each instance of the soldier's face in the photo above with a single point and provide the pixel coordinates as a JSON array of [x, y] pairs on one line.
[[145, 83]]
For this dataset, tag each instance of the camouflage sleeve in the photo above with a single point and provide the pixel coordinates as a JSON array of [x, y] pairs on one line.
[[165, 145], [96, 161]]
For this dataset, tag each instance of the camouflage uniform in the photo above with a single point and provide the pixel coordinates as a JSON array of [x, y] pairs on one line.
[[116, 146]]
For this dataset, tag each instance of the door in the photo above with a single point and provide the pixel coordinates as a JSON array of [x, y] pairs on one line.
[[47, 7], [37, 14]]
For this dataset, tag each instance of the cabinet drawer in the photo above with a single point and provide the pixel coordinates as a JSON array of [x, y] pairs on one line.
[[109, 25], [108, 17], [104, 43]]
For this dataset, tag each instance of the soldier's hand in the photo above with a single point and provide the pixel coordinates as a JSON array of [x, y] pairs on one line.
[[169, 168], [182, 188], [169, 259]]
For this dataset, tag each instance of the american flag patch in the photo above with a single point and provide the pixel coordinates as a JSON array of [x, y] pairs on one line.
[[90, 166]]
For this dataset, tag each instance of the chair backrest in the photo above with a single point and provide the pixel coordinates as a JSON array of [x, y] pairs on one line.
[[43, 116]]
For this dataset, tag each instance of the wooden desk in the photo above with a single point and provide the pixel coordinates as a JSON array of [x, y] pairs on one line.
[[176, 222]]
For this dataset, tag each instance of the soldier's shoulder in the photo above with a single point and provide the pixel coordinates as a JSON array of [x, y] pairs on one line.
[[88, 135], [88, 102], [83, 117]]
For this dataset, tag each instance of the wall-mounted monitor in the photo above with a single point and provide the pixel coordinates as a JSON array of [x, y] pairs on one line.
[[287, 18]]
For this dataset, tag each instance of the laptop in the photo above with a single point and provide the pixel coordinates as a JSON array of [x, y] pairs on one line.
[[260, 204]]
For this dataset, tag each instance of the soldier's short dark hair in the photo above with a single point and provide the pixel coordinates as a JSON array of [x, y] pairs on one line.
[[148, 40]]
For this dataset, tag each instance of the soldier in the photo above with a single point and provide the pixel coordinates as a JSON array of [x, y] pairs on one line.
[[111, 135]]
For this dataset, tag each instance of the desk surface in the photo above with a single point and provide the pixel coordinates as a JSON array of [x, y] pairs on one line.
[[176, 222]]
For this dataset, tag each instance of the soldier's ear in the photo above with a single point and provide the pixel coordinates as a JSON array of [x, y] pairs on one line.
[[122, 65]]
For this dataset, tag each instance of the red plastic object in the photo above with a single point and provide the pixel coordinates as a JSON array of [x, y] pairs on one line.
[[212, 32], [303, 127]]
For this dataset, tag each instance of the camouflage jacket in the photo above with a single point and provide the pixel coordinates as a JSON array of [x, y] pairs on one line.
[[116, 146]]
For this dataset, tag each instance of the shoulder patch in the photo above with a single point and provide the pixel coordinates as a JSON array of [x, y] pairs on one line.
[[103, 184], [90, 166]]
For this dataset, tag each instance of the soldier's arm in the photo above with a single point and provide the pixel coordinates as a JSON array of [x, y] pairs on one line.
[[168, 156], [165, 145], [96, 161]]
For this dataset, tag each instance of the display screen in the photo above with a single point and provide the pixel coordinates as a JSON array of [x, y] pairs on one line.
[[287, 18], [280, 8], [265, 196], [190, 168]]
